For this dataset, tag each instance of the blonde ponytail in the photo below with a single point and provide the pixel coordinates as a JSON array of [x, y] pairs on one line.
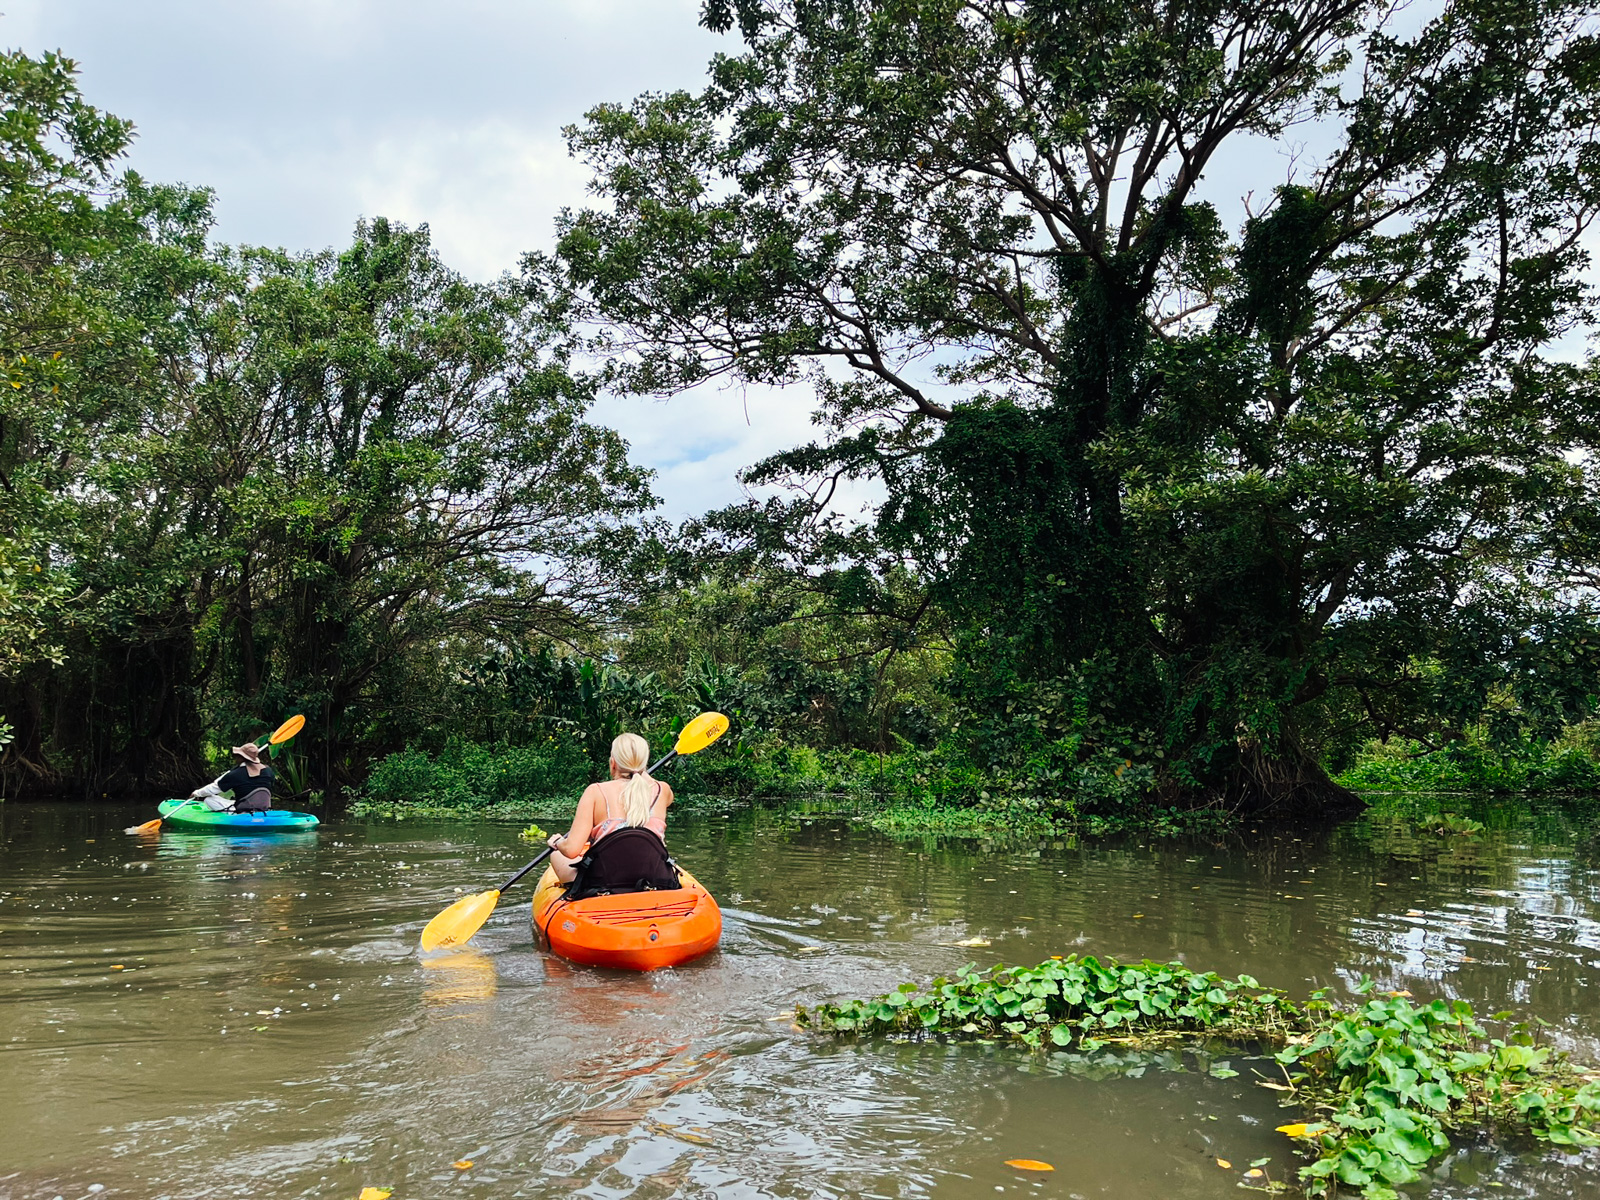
[[631, 753]]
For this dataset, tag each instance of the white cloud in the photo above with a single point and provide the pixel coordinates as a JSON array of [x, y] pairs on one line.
[[699, 441], [489, 190], [306, 114]]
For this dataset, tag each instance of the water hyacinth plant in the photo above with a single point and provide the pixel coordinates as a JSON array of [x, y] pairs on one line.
[[1381, 1087]]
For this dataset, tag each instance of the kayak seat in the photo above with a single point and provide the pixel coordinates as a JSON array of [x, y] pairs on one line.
[[632, 859], [255, 800]]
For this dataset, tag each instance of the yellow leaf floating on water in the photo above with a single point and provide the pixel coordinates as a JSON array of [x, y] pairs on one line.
[[1028, 1164], [1224, 1164], [370, 1193], [974, 941], [1254, 1173], [1301, 1129], [462, 1164]]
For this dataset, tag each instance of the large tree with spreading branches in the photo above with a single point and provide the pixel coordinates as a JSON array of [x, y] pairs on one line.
[[1215, 454]]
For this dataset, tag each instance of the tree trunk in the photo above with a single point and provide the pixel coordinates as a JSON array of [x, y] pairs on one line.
[[247, 633], [1285, 787], [23, 766]]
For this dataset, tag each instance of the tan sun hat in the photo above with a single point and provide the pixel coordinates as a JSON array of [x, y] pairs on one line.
[[249, 752]]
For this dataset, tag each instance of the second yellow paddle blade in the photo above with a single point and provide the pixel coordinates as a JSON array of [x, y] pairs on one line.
[[288, 729], [460, 921], [701, 732]]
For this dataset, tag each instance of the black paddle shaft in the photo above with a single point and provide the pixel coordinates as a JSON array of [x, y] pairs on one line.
[[507, 885]]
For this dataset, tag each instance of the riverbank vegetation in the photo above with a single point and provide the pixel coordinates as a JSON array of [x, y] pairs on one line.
[[1183, 504], [1567, 763], [1372, 1094]]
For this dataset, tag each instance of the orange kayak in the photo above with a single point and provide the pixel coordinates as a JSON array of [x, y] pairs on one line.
[[638, 931]]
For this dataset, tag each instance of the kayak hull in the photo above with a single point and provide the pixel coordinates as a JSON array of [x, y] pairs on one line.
[[639, 931], [196, 818]]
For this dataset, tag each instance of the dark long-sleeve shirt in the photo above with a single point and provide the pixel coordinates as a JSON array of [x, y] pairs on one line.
[[240, 782]]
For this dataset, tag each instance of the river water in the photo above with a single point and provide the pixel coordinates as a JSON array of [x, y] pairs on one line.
[[197, 1016]]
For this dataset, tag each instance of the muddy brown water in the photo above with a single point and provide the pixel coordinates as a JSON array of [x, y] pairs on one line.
[[201, 1016]]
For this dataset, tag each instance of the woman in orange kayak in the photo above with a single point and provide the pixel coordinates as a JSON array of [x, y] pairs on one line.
[[631, 797]]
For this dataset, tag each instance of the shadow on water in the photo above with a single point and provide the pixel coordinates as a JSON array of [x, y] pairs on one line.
[[191, 1015]]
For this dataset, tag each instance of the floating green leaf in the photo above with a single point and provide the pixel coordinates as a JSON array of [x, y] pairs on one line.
[[1388, 1081]]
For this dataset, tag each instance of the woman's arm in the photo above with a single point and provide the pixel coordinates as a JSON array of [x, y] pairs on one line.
[[582, 825]]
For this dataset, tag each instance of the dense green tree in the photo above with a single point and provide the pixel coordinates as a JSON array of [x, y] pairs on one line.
[[55, 151], [800, 662], [62, 213], [401, 463], [1211, 496], [236, 483]]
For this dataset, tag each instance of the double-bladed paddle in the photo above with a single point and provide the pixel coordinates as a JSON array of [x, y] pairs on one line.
[[278, 736], [456, 924]]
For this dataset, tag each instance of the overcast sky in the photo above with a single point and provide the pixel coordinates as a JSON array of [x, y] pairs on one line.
[[303, 115]]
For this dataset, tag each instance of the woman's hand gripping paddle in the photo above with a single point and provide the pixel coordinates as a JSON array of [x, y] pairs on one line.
[[456, 924], [279, 735]]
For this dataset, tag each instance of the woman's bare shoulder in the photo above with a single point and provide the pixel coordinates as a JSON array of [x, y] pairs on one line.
[[591, 807]]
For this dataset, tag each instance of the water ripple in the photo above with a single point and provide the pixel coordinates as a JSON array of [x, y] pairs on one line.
[[272, 1030]]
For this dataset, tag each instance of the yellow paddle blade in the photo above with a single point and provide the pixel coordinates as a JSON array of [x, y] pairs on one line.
[[701, 732], [460, 921], [147, 827], [288, 729]]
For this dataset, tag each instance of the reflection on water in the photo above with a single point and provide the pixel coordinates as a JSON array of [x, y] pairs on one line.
[[189, 1015], [226, 845], [461, 978]]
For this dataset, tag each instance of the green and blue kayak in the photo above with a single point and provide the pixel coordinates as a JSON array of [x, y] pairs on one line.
[[197, 818]]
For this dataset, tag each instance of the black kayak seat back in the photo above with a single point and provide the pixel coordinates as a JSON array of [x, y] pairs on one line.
[[255, 800], [632, 859]]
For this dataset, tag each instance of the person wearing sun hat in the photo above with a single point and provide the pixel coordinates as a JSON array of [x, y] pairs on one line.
[[246, 788]]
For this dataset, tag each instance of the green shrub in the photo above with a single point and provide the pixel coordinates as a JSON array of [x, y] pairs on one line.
[[1570, 769], [1052, 787], [468, 775], [1571, 763]]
